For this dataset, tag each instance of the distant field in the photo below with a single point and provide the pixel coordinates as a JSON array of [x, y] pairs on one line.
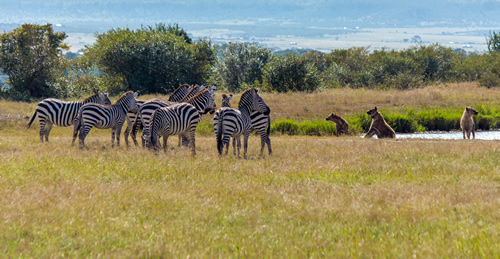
[[314, 197], [470, 39]]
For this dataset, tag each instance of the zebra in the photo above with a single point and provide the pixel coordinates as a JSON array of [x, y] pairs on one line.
[[131, 116], [181, 118], [229, 122], [179, 93], [260, 122], [105, 117], [226, 100], [53, 111], [203, 102]]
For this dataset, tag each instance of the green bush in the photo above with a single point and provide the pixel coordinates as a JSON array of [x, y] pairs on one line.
[[290, 73]]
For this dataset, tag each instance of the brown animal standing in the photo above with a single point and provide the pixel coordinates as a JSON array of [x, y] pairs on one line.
[[341, 125], [379, 126], [467, 122]]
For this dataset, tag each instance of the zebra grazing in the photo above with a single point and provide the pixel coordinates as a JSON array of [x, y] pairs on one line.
[[181, 118], [61, 113], [260, 122], [105, 117], [203, 102], [229, 122], [179, 93]]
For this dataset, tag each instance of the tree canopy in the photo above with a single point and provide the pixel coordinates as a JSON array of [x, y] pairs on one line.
[[29, 55]]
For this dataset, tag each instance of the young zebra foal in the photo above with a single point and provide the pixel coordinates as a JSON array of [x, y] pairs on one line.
[[181, 118], [54, 111], [341, 125], [230, 122], [379, 126], [105, 117], [467, 122]]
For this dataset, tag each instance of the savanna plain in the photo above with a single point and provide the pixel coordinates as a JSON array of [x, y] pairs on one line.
[[316, 196]]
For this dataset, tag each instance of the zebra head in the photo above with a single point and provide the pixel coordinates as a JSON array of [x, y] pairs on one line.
[[204, 102], [104, 98], [253, 102], [128, 102], [226, 100]]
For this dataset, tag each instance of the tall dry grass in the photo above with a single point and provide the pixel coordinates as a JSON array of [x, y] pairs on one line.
[[315, 197]]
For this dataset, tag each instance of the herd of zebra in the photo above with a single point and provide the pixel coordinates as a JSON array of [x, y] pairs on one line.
[[178, 115]]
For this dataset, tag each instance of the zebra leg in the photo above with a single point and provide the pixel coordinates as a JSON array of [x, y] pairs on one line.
[[262, 142], [165, 139], [245, 144], [42, 129], [118, 133], [113, 131], [269, 145], [46, 132], [239, 146], [191, 139], [234, 147], [84, 130]]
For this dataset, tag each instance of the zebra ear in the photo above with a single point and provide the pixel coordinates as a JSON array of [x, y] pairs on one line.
[[106, 93], [136, 94], [230, 97], [257, 90], [212, 90], [202, 87]]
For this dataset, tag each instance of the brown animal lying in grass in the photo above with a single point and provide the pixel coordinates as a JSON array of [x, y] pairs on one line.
[[341, 125], [467, 122], [379, 126]]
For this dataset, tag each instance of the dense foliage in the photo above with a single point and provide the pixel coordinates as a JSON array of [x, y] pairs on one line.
[[290, 73], [241, 64], [156, 59], [151, 59], [31, 55]]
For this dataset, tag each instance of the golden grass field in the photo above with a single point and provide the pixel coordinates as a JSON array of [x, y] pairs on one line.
[[314, 197]]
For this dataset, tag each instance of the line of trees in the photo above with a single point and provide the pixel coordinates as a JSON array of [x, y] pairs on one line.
[[156, 59]]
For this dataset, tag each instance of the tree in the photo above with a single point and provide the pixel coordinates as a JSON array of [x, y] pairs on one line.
[[29, 55], [290, 73], [241, 63], [493, 42], [150, 59]]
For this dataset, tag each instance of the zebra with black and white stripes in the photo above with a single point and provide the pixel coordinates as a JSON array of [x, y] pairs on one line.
[[229, 122], [180, 92], [260, 122], [181, 118], [226, 100], [105, 117], [203, 102], [53, 111], [131, 116]]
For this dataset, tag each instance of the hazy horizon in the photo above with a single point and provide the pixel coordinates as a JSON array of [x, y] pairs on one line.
[[317, 24]]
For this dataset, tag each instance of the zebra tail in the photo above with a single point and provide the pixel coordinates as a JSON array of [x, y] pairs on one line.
[[152, 140], [32, 119], [220, 143]]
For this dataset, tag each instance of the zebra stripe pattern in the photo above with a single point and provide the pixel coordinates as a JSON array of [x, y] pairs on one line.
[[203, 102], [182, 119], [131, 116], [229, 122], [105, 117], [179, 93], [61, 113], [260, 122]]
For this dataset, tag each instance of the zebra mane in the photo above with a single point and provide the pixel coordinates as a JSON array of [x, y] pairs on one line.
[[179, 88], [91, 97], [202, 92], [251, 91], [124, 95]]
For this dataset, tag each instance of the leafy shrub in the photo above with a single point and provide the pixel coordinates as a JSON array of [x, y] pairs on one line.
[[290, 73]]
